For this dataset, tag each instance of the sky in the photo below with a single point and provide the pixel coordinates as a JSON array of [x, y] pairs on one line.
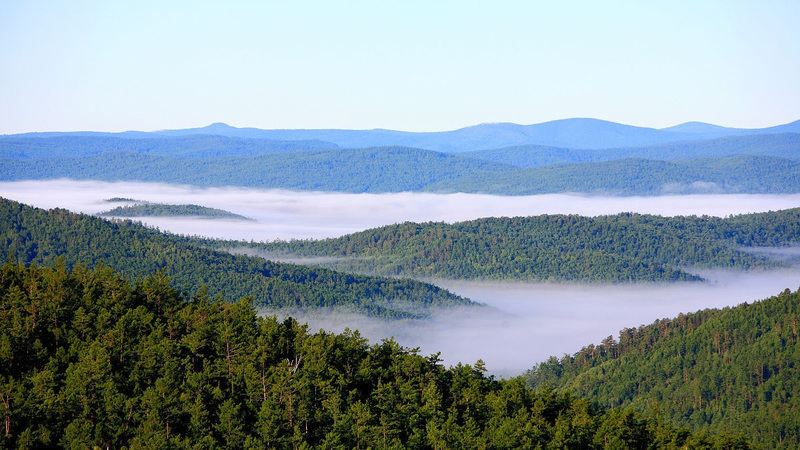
[[406, 65]]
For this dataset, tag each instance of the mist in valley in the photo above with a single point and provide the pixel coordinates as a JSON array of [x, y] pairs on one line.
[[529, 322], [302, 215], [524, 323]]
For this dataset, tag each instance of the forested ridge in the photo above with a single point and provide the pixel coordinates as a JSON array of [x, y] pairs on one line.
[[37, 236], [637, 176], [622, 247], [39, 148], [401, 169], [783, 145], [88, 360], [376, 170], [734, 368]]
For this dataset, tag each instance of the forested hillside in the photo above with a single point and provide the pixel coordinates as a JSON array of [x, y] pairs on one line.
[[195, 146], [785, 145], [36, 236], [635, 176], [89, 361], [730, 369], [387, 169], [401, 169], [623, 247]]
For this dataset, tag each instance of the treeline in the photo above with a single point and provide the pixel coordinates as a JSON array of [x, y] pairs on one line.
[[735, 368], [89, 361], [37, 236], [144, 209], [618, 248]]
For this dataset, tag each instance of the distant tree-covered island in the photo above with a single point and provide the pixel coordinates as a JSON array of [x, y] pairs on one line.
[[146, 209]]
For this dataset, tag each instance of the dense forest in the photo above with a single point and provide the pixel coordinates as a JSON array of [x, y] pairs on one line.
[[730, 369], [734, 164], [32, 235], [637, 176], [144, 209], [384, 169], [623, 247], [776, 145], [196, 146], [88, 360]]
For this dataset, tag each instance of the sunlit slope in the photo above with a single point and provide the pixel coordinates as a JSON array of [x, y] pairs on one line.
[[714, 370], [36, 236], [623, 247]]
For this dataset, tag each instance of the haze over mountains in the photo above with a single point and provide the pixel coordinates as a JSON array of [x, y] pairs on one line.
[[574, 155], [578, 133]]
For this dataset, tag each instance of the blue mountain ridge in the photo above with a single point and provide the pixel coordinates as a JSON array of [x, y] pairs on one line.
[[576, 133]]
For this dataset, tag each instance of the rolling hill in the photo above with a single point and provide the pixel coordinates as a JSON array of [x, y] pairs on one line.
[[43, 237], [620, 248]]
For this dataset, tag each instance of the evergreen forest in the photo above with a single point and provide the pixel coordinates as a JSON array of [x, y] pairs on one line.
[[620, 248], [89, 360], [718, 369], [36, 236]]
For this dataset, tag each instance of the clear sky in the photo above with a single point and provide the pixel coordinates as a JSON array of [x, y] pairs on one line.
[[407, 65]]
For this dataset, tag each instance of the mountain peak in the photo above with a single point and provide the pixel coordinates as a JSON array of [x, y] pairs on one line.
[[218, 126], [696, 127]]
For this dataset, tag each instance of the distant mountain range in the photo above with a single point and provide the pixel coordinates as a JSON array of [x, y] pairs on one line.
[[576, 133], [575, 155]]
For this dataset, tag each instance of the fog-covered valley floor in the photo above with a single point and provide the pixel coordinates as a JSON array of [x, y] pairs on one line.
[[528, 322], [299, 215]]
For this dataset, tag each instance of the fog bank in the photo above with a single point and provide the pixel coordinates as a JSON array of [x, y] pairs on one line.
[[300, 215], [531, 322]]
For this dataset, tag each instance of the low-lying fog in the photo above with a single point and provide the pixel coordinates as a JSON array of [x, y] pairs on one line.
[[287, 215], [532, 322], [529, 322]]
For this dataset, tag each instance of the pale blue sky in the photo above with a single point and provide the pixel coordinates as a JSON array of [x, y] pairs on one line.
[[410, 65]]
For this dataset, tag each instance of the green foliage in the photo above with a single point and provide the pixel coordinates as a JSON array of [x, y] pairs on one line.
[[144, 209], [89, 361], [36, 236], [714, 370], [619, 248]]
